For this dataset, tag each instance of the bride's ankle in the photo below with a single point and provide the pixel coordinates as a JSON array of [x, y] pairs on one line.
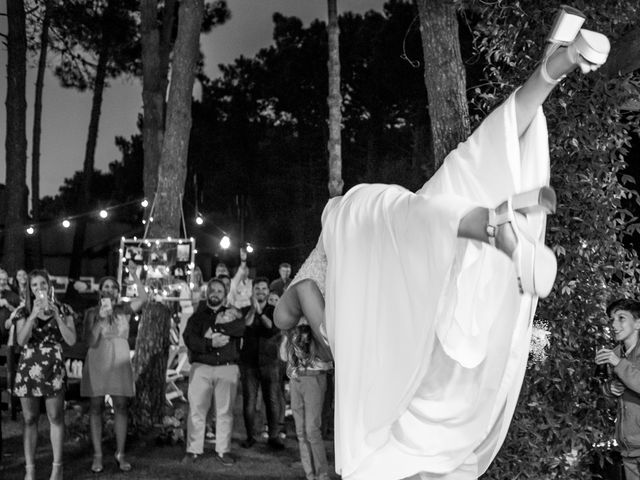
[[505, 240], [558, 64]]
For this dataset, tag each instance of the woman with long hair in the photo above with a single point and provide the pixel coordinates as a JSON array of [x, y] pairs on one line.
[[308, 383], [107, 368], [20, 283], [42, 324]]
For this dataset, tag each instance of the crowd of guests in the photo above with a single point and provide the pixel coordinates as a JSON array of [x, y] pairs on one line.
[[233, 345]]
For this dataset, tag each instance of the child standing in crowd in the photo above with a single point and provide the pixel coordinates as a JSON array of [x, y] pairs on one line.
[[308, 374], [625, 362]]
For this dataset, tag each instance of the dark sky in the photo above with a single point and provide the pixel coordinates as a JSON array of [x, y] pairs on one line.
[[66, 112]]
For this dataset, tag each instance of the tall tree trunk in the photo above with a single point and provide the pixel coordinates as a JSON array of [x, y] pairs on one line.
[[444, 76], [175, 146], [168, 21], [334, 101], [150, 366], [152, 95], [156, 49], [89, 161], [16, 137], [153, 345], [37, 130]]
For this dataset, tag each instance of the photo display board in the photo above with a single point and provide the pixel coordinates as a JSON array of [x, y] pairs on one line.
[[160, 263]]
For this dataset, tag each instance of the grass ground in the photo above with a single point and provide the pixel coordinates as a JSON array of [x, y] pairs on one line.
[[151, 461]]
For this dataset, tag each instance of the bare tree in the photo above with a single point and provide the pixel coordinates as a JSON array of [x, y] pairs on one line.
[[16, 139], [334, 101], [37, 129]]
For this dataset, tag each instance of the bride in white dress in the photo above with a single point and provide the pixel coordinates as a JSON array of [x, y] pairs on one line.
[[427, 319]]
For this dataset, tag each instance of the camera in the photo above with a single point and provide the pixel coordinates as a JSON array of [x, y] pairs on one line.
[[42, 296]]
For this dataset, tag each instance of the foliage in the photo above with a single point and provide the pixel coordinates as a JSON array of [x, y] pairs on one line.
[[83, 30], [561, 413], [260, 129]]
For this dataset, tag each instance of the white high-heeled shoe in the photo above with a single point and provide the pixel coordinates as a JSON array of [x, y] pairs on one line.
[[587, 49], [535, 263]]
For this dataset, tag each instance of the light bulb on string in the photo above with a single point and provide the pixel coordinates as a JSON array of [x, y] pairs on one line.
[[249, 248], [225, 242], [199, 220], [103, 214], [66, 223], [144, 203], [30, 230]]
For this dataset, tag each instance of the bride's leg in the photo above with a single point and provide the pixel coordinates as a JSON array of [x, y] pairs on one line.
[[536, 89], [304, 299], [506, 228], [474, 227], [300, 299]]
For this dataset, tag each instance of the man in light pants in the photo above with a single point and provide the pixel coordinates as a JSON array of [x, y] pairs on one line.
[[212, 336]]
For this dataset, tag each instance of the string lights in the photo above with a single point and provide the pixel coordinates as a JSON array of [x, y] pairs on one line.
[[225, 240]]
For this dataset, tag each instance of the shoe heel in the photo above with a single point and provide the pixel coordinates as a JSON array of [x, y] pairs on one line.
[[566, 26], [536, 200]]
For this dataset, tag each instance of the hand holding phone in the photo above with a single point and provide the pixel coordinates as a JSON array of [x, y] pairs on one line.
[[105, 307], [43, 302]]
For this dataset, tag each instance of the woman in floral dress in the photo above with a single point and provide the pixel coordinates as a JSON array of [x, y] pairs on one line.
[[42, 324]]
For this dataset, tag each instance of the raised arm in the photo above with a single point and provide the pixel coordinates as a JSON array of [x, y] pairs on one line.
[[141, 299]]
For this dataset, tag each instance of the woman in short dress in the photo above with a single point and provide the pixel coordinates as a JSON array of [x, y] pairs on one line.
[[107, 368], [42, 324]]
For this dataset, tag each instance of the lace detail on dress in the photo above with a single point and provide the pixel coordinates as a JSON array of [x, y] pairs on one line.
[[314, 267]]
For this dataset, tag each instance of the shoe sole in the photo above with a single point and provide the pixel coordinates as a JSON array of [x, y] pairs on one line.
[[593, 46]]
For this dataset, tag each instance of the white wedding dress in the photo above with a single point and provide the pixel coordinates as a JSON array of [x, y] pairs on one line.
[[429, 333]]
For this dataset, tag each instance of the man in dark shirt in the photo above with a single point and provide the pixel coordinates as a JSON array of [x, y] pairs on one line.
[[281, 284], [260, 365], [213, 336]]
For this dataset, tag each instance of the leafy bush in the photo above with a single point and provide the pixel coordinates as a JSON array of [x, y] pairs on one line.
[[561, 413]]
